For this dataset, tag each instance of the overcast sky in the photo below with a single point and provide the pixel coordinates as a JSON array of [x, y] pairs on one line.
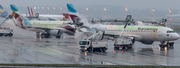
[[141, 4]]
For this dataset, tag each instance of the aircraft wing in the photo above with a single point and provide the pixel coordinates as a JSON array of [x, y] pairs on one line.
[[60, 28], [137, 37]]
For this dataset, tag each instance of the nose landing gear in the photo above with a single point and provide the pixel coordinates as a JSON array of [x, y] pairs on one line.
[[168, 44]]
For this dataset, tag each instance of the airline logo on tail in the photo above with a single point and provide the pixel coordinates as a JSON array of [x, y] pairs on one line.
[[2, 10], [17, 17], [4, 13], [71, 8], [74, 15]]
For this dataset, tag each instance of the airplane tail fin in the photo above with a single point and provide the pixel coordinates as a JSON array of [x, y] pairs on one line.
[[73, 14], [37, 15], [4, 13], [17, 18]]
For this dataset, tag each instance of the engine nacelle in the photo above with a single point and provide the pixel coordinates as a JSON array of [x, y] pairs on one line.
[[147, 42], [133, 40], [55, 32]]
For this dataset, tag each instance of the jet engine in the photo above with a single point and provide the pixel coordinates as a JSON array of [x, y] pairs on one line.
[[147, 42], [55, 32], [133, 40]]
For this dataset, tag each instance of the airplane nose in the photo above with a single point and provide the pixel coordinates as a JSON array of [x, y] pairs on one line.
[[176, 36]]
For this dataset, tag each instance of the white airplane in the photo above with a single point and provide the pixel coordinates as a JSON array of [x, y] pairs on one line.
[[172, 15], [49, 17], [37, 16], [44, 17], [48, 28], [144, 34]]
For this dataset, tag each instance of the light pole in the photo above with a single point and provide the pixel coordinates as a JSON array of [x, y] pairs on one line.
[[48, 9], [54, 9], [60, 9], [126, 10], [170, 16], [86, 11], [43, 9], [105, 12], [32, 11], [38, 10], [153, 13]]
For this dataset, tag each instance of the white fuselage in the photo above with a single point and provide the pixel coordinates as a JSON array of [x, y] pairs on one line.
[[160, 34], [47, 16]]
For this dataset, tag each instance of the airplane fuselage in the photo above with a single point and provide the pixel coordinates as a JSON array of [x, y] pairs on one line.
[[142, 33]]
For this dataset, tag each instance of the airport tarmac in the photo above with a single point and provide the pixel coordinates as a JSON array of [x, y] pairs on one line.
[[26, 50]]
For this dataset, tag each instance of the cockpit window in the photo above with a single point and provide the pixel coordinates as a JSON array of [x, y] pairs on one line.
[[170, 31]]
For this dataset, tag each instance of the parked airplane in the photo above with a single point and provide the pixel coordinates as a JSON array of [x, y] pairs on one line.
[[48, 28], [144, 34], [37, 16], [4, 13], [49, 17]]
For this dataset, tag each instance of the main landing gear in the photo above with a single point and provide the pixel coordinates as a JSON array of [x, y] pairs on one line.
[[45, 35]]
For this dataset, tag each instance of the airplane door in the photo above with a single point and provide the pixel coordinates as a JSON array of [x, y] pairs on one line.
[[160, 32]]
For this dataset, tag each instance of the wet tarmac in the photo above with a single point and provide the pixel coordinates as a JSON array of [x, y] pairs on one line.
[[24, 48], [66, 51]]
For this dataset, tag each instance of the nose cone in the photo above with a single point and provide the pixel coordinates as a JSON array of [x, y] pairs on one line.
[[176, 36]]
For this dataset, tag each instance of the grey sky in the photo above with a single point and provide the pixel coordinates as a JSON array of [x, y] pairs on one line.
[[141, 4], [115, 8]]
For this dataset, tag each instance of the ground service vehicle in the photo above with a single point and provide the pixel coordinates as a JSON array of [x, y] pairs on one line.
[[5, 31], [124, 42], [92, 46]]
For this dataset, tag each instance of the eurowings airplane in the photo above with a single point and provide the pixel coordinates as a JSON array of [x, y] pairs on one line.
[[144, 34], [49, 17], [42, 16], [48, 27]]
